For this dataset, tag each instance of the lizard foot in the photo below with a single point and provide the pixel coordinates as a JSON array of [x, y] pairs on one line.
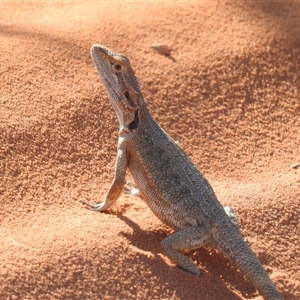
[[130, 189], [192, 270], [94, 206], [230, 213]]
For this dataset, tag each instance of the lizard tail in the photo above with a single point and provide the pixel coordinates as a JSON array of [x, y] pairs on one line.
[[233, 246]]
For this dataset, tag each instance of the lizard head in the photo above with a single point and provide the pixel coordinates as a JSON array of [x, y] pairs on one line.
[[121, 84]]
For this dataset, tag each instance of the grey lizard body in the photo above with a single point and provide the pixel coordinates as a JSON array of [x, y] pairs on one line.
[[169, 182]]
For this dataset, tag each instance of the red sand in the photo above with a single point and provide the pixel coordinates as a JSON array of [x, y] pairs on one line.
[[229, 95]]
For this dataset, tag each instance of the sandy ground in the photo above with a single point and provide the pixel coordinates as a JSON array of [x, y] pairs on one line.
[[229, 94]]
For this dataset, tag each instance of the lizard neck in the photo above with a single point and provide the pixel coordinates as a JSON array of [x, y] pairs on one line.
[[144, 113], [142, 117]]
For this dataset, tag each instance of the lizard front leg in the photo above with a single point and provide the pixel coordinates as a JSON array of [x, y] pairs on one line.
[[117, 185]]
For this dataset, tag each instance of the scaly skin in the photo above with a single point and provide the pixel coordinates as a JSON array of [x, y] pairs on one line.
[[172, 186]]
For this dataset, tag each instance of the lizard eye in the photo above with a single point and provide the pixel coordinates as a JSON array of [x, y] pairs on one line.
[[118, 67], [126, 94]]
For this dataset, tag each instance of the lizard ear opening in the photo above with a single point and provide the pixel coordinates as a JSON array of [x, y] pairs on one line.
[[126, 94], [135, 123]]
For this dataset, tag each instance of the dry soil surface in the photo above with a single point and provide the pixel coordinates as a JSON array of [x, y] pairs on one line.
[[229, 94]]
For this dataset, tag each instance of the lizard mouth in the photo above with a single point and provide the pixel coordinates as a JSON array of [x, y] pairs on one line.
[[135, 123]]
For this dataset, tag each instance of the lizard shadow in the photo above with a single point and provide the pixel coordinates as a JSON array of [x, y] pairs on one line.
[[216, 269]]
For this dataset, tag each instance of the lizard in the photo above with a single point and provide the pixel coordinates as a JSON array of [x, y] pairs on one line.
[[168, 181]]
